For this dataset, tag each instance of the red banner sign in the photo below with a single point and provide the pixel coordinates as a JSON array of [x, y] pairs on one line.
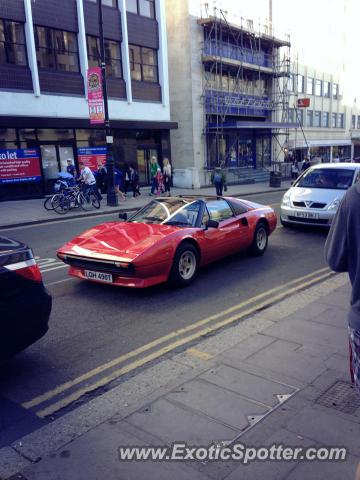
[[19, 165], [95, 96], [92, 156], [303, 102]]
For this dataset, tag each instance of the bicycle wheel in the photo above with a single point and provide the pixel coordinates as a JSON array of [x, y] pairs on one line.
[[85, 201], [48, 203], [60, 203], [95, 200]]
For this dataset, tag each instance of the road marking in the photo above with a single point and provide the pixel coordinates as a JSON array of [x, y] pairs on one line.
[[199, 354], [59, 281], [64, 402], [49, 264], [122, 358]]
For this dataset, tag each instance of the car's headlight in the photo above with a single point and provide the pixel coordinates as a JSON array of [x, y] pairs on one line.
[[286, 200], [334, 205]]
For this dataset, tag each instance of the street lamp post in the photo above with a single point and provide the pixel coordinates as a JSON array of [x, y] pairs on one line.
[[112, 198]]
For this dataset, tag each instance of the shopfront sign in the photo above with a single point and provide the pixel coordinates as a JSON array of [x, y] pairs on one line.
[[95, 96], [303, 102], [20, 165], [92, 156]]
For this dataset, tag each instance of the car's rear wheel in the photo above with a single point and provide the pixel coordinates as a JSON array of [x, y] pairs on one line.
[[260, 240], [185, 265]]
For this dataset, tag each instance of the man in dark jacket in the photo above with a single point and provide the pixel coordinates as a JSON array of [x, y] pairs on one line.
[[342, 251]]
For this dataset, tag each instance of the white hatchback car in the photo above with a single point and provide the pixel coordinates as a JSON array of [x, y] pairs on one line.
[[315, 196]]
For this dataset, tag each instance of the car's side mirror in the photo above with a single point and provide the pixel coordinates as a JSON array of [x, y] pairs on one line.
[[211, 224], [123, 216]]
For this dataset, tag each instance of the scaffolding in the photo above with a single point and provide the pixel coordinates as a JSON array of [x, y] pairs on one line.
[[245, 77]]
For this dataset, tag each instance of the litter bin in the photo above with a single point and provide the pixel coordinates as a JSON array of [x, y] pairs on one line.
[[275, 179]]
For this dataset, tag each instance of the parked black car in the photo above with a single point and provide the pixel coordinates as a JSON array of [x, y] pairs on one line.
[[25, 305]]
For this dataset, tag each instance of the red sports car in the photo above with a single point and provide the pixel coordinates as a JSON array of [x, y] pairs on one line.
[[168, 239]]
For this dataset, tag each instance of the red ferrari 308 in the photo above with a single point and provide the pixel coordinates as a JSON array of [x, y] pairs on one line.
[[168, 239]]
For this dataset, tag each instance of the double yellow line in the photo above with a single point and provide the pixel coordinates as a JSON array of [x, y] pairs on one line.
[[187, 334]]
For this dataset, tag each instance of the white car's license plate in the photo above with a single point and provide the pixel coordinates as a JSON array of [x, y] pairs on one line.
[[99, 276], [307, 214]]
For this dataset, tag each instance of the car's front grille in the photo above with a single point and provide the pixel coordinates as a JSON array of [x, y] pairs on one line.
[[99, 266], [310, 205], [315, 221]]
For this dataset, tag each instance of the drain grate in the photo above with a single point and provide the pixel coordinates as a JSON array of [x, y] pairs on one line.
[[341, 396]]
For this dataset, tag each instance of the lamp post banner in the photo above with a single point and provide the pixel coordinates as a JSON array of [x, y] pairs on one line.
[[95, 96]]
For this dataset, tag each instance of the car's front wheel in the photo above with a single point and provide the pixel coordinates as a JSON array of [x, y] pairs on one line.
[[185, 265], [260, 240]]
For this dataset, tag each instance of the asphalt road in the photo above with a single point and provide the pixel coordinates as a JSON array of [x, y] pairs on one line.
[[97, 329]]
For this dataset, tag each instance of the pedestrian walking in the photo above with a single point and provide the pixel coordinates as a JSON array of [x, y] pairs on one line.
[[70, 168], [159, 182], [294, 170], [342, 252], [127, 179], [87, 177], [154, 166], [219, 180], [167, 175], [306, 164], [118, 182], [134, 181], [101, 177]]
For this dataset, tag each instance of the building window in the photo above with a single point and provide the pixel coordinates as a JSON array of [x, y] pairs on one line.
[[300, 117], [333, 120], [358, 122], [317, 118], [300, 84], [143, 64], [353, 121], [56, 49], [318, 87], [12, 43], [335, 90], [340, 120], [146, 8], [326, 89], [107, 3], [112, 55], [310, 86], [290, 84], [309, 118], [325, 119]]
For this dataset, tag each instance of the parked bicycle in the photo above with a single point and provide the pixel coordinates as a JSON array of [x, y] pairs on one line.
[[73, 197]]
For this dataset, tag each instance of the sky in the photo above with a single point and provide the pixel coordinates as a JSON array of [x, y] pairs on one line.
[[323, 33]]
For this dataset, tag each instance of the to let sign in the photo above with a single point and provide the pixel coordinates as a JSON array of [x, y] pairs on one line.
[[95, 96], [303, 102], [19, 165]]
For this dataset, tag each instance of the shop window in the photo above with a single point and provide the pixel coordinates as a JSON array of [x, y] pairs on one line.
[[12, 43], [50, 134], [90, 137], [8, 138], [146, 8], [56, 49], [143, 64], [112, 55], [107, 3]]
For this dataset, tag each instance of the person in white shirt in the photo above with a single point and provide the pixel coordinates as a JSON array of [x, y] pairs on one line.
[[87, 177], [167, 175]]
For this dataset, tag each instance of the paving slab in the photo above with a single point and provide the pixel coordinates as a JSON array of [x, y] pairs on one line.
[[251, 386], [216, 402], [248, 347], [172, 423], [282, 356], [327, 470]]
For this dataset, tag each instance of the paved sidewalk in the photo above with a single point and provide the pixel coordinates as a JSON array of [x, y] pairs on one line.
[[25, 212], [259, 382]]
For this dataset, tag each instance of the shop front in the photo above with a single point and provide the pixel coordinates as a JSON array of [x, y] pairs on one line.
[[32, 157]]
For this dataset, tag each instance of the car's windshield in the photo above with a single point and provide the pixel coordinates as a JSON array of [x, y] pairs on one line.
[[332, 178], [172, 211]]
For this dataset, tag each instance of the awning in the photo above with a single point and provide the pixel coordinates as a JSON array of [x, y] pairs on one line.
[[253, 124]]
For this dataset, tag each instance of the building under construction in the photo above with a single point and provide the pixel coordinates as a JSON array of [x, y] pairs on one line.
[[238, 78]]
